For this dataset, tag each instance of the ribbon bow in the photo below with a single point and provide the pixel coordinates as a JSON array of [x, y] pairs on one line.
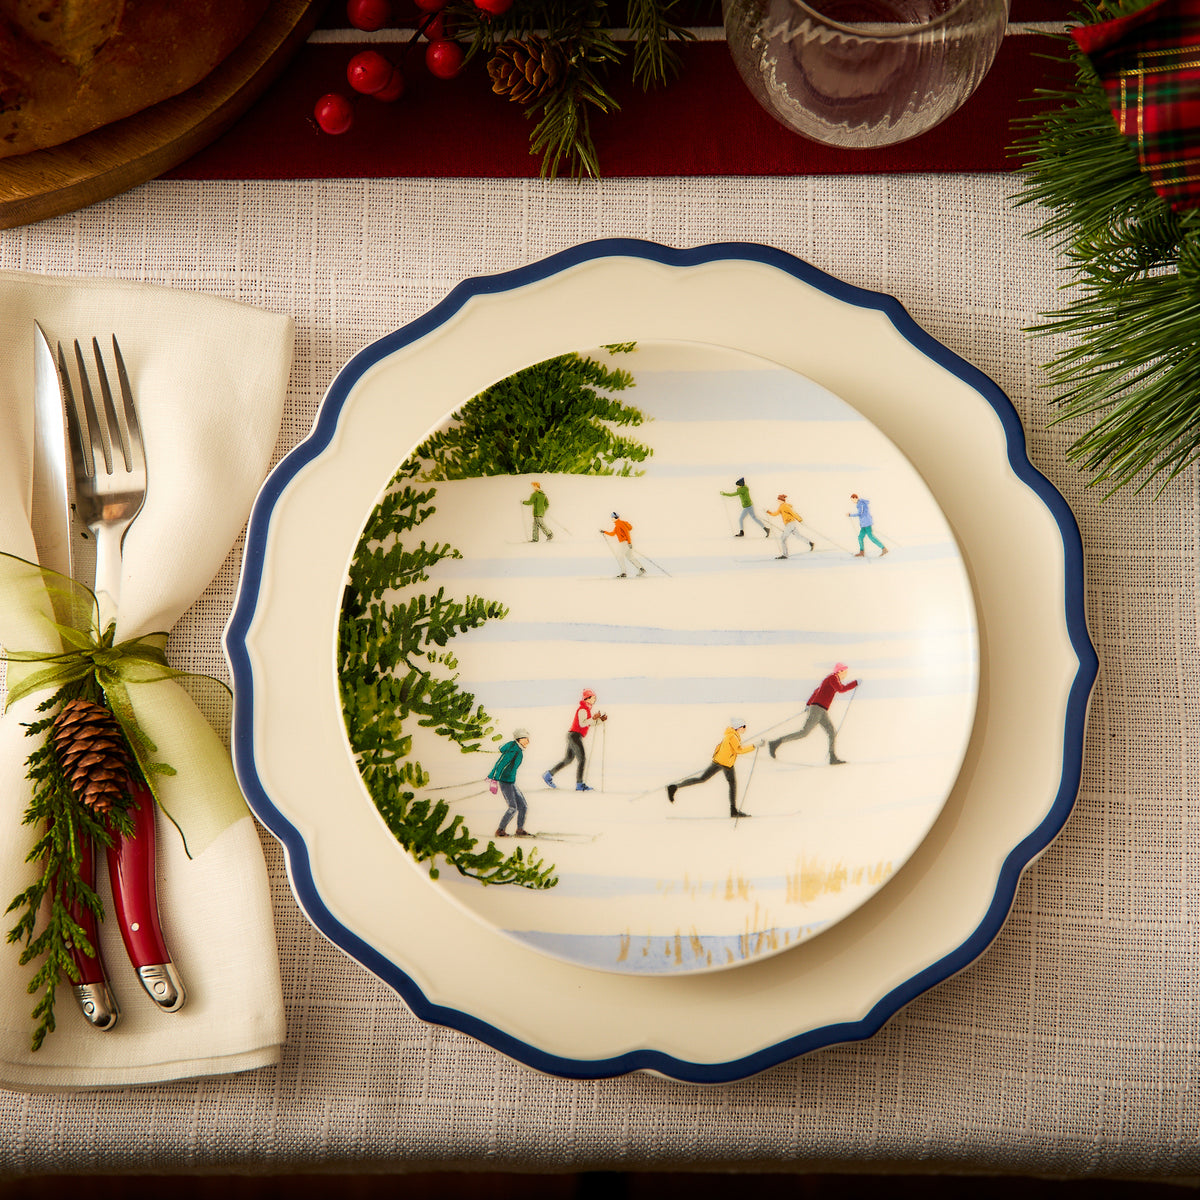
[[86, 655]]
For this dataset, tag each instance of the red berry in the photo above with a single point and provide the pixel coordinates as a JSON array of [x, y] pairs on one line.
[[444, 58], [493, 8], [435, 30], [369, 15], [368, 72], [333, 113], [393, 89], [431, 5]]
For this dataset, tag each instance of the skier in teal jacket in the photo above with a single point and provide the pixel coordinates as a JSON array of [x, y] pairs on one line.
[[503, 777]]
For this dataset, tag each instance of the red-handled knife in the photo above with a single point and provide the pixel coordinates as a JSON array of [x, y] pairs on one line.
[[92, 991], [131, 872]]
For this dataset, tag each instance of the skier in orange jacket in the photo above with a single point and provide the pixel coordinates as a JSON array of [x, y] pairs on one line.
[[621, 531]]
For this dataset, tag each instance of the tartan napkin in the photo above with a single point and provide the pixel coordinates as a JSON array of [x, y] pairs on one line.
[[1149, 64]]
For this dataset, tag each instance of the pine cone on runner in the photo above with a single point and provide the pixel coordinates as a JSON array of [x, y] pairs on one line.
[[527, 69], [94, 755]]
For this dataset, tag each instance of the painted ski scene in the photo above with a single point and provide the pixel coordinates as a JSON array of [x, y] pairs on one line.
[[672, 643]]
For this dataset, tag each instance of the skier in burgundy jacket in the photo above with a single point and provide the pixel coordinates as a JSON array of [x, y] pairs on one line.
[[817, 712]]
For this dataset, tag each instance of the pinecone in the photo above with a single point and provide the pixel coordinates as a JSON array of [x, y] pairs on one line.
[[527, 69], [93, 754]]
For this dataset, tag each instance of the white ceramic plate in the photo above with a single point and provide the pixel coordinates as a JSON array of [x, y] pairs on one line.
[[612, 671], [1019, 774]]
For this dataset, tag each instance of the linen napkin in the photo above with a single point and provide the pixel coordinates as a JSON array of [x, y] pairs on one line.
[[209, 378]]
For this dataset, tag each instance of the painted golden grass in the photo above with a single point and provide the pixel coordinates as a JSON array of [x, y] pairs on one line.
[[811, 880]]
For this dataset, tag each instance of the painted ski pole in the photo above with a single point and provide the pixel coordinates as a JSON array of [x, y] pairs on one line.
[[612, 550], [450, 787], [832, 541], [657, 566], [749, 777], [785, 721], [728, 519], [561, 526], [846, 710], [603, 750]]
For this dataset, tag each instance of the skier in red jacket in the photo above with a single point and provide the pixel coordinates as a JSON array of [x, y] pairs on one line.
[[584, 719], [817, 712]]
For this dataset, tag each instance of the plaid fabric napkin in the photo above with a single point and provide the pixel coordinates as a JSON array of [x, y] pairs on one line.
[[1149, 63]]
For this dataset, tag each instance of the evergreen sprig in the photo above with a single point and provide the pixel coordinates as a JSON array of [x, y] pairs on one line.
[[59, 892], [1132, 365], [562, 135]]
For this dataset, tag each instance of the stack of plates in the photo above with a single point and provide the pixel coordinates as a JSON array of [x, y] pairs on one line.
[[679, 937]]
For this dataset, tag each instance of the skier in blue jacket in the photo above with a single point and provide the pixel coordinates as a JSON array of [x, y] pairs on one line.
[[862, 510], [503, 777]]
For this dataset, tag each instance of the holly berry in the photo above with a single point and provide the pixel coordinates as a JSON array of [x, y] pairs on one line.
[[444, 58], [435, 28], [493, 8], [333, 113], [369, 15], [393, 89], [368, 72]]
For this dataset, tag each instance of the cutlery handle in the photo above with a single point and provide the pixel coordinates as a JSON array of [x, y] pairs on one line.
[[131, 869], [95, 998]]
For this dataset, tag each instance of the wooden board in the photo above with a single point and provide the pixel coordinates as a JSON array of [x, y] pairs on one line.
[[48, 183]]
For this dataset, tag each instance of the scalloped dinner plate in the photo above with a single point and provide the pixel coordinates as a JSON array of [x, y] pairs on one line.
[[1007, 793]]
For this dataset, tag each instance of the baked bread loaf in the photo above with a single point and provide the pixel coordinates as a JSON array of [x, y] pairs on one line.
[[70, 66]]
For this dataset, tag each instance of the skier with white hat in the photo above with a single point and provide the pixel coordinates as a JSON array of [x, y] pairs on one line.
[[723, 759], [503, 778]]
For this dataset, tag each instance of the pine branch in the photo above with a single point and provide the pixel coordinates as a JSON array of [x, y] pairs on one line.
[[65, 827], [655, 60], [1132, 315]]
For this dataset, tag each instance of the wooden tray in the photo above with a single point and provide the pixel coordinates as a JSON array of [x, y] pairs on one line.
[[116, 157]]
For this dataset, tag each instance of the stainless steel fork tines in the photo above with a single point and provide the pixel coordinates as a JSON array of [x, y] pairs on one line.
[[109, 464]]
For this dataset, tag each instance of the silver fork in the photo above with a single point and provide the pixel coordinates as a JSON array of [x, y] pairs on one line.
[[109, 465]]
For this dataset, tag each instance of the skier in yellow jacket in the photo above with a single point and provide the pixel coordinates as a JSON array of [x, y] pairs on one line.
[[791, 524], [723, 759]]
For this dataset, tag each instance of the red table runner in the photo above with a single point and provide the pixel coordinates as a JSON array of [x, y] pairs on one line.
[[704, 123]]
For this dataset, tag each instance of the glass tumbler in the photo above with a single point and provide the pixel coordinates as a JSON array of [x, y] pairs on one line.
[[861, 73]]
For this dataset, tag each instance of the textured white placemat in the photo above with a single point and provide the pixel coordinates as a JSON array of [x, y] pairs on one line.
[[1067, 1049]]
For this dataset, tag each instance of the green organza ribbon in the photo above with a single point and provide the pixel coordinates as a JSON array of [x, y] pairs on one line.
[[52, 608]]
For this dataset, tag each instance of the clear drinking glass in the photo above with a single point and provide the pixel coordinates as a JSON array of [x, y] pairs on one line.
[[860, 73]]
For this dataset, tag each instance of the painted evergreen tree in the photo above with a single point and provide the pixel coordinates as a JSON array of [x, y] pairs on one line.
[[556, 416], [395, 668], [394, 665]]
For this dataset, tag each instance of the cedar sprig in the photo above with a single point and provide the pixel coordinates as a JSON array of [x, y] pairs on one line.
[[66, 826], [1132, 319]]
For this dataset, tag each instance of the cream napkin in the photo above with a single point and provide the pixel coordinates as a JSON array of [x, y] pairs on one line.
[[209, 376]]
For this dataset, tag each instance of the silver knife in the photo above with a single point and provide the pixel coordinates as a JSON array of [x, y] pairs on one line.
[[50, 517]]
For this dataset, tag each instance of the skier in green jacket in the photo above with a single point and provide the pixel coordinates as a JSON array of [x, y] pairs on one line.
[[742, 492], [539, 502]]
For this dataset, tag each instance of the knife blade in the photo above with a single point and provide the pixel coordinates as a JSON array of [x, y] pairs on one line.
[[50, 518]]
